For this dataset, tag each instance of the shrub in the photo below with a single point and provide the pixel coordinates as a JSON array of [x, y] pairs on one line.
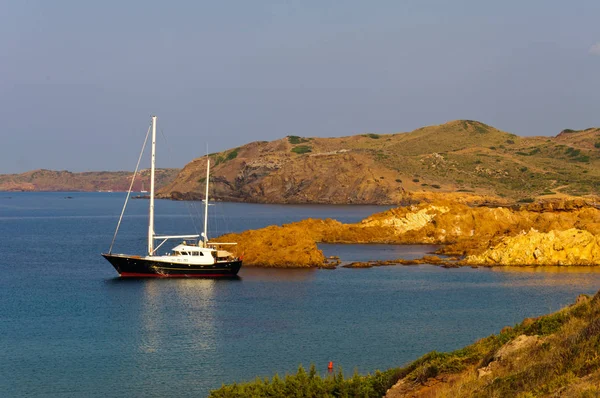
[[301, 149], [436, 186], [572, 152], [530, 153], [310, 384], [218, 160], [416, 180], [523, 169], [597, 144], [373, 136], [232, 155], [294, 139], [510, 142], [398, 180]]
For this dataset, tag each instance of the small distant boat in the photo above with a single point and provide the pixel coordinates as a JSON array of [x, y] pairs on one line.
[[195, 256]]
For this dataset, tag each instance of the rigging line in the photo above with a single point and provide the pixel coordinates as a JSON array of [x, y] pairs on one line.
[[189, 208], [170, 153], [129, 191]]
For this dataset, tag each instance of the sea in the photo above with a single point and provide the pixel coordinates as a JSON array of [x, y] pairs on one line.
[[69, 327]]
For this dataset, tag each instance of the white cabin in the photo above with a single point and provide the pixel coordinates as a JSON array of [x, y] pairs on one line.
[[195, 253]]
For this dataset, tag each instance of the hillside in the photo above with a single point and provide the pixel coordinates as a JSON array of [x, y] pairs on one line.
[[50, 180], [458, 156]]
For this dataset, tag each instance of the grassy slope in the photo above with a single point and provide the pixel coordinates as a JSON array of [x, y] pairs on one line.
[[562, 361], [459, 155]]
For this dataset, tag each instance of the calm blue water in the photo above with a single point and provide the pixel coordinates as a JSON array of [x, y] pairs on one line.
[[69, 328]]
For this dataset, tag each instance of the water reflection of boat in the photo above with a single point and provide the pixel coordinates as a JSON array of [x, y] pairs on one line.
[[194, 257]]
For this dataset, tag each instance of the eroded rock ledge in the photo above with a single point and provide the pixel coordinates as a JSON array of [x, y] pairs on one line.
[[559, 232]]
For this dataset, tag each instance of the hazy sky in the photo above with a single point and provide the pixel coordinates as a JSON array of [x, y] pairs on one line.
[[80, 79]]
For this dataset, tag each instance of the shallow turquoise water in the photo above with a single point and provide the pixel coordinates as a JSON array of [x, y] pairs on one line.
[[68, 327]]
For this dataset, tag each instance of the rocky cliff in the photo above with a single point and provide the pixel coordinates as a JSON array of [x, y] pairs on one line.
[[558, 232], [462, 155]]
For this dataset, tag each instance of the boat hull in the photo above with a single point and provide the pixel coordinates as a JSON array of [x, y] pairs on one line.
[[138, 267]]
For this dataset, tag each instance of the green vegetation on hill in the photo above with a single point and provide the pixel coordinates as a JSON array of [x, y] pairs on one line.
[[300, 149], [294, 139], [462, 155]]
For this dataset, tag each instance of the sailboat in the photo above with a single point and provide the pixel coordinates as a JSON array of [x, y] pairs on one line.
[[195, 256]]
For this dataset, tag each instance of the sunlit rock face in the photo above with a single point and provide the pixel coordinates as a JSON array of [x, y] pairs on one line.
[[570, 247], [558, 233]]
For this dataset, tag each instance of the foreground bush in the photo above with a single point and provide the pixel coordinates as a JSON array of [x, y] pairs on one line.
[[310, 384]]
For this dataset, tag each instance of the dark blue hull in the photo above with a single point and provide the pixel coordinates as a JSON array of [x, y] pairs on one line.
[[139, 267]]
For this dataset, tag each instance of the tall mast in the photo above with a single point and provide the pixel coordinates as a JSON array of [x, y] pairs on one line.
[[206, 202], [151, 215]]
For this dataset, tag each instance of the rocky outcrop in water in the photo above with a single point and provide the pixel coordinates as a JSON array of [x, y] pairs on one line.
[[556, 233]]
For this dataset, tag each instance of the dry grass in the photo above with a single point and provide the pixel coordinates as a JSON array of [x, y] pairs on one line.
[[564, 361]]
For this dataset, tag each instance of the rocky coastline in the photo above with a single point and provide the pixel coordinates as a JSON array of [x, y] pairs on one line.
[[561, 232]]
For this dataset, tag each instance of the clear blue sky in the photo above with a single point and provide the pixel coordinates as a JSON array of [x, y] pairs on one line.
[[80, 79]]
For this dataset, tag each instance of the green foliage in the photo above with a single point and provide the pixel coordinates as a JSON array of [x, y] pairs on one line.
[[310, 384], [510, 142], [572, 152], [436, 186], [547, 324], [597, 144], [523, 169], [217, 160], [398, 180], [530, 153], [416, 180], [232, 155], [294, 139], [201, 180], [373, 136], [493, 148], [301, 149]]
